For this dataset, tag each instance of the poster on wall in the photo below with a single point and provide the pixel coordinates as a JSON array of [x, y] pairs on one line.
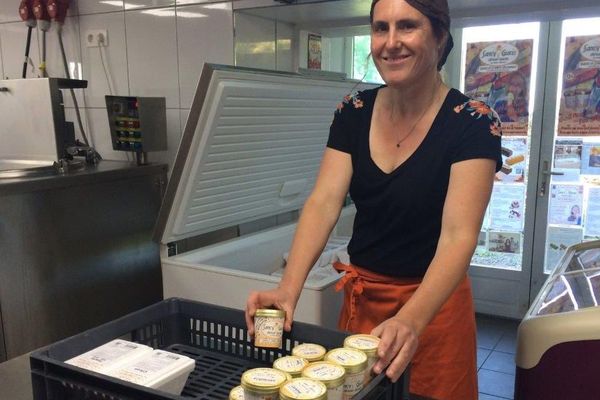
[[499, 74], [507, 207], [314, 51], [579, 113], [514, 160], [590, 159], [592, 215], [557, 241], [566, 204]]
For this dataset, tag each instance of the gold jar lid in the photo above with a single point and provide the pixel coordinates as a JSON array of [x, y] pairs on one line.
[[263, 380], [309, 351], [237, 393], [267, 312], [351, 359], [303, 389], [290, 364], [331, 374], [366, 343]]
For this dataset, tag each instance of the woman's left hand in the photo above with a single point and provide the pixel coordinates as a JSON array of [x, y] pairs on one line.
[[397, 345]]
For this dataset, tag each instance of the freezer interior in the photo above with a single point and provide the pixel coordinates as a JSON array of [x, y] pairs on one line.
[[263, 255]]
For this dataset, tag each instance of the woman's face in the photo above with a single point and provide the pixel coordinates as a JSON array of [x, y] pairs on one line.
[[404, 47]]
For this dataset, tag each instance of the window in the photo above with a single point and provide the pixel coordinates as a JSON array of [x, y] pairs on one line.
[[363, 67]]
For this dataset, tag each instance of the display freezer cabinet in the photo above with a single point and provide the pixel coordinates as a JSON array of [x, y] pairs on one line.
[[559, 339], [250, 150]]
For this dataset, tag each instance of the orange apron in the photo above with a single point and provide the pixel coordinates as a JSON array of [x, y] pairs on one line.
[[444, 366]]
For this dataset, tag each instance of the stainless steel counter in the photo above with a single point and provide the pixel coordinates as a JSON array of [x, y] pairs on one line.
[[76, 251]]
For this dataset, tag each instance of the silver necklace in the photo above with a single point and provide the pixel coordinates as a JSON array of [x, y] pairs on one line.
[[399, 142]]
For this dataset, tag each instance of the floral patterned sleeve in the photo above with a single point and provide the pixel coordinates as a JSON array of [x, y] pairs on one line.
[[482, 135], [342, 127]]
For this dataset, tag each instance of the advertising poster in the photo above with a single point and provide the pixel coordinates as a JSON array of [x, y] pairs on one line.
[[592, 215], [504, 242], [579, 113], [566, 204], [514, 158], [314, 51], [507, 207], [567, 154], [557, 241], [499, 73], [590, 159]]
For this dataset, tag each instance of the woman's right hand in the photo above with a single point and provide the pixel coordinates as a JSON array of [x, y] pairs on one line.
[[275, 298]]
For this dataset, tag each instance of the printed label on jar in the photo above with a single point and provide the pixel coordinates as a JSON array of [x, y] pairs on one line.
[[367, 343], [303, 388], [268, 332], [336, 393], [353, 384], [249, 395], [309, 351], [291, 364]]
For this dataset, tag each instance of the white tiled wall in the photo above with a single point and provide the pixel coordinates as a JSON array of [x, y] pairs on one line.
[[155, 48]]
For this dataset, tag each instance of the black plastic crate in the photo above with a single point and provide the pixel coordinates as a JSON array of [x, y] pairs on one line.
[[214, 336]]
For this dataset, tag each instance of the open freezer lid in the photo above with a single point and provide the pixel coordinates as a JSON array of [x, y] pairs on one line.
[[251, 148]]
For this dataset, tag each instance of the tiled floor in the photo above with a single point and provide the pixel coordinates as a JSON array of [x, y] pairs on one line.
[[496, 346]]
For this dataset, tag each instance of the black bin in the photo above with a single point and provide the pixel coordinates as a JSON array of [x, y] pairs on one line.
[[214, 336]]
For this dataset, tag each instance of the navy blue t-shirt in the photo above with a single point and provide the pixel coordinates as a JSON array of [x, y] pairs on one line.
[[399, 215]]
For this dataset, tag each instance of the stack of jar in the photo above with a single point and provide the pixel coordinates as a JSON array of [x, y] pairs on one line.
[[313, 373]]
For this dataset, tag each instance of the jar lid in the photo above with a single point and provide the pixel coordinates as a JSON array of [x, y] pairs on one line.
[[290, 364], [303, 389], [263, 379], [267, 312], [309, 351], [366, 343], [351, 359], [237, 393], [331, 374]]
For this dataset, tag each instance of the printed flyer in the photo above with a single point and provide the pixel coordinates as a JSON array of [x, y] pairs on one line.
[[592, 215], [579, 113], [566, 204], [314, 51], [504, 242], [590, 159], [499, 74], [557, 241], [514, 160], [507, 207], [567, 154]]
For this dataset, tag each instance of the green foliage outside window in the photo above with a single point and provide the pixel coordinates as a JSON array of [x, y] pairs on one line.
[[363, 67]]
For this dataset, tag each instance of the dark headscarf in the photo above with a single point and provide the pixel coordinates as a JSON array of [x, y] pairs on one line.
[[439, 15]]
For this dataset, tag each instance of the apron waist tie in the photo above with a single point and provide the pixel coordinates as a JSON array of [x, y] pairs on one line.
[[353, 278]]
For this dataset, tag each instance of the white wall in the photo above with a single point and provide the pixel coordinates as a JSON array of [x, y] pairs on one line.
[[155, 48]]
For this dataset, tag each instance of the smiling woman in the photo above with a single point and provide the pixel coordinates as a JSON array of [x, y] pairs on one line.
[[418, 160]]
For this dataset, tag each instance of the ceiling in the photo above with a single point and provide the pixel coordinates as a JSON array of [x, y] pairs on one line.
[[334, 14]]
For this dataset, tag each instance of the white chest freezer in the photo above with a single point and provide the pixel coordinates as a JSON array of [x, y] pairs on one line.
[[250, 150], [558, 345]]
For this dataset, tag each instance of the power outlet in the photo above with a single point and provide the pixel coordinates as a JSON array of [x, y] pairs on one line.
[[96, 37]]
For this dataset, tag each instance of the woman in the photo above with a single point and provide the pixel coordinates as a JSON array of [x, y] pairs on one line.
[[418, 159]]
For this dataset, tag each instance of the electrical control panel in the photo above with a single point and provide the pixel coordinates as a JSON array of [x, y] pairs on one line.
[[137, 124]]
